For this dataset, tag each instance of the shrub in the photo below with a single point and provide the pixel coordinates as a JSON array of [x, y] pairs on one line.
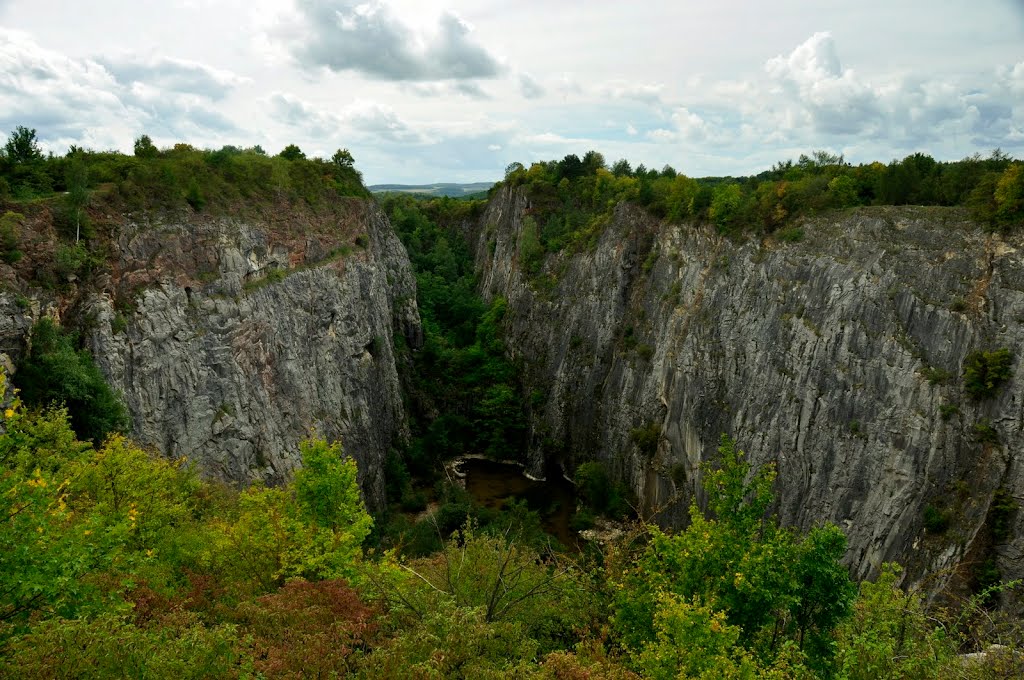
[[936, 521], [70, 259], [984, 433], [9, 252], [53, 372], [599, 493], [108, 647], [985, 371], [646, 437], [308, 630], [790, 234]]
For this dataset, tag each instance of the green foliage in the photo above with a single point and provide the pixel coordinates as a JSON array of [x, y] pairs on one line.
[[738, 582], [1000, 515], [292, 153], [693, 641], [53, 372], [599, 493], [111, 647], [985, 433], [461, 372], [22, 146], [313, 529], [890, 635], [76, 179], [985, 371], [936, 520], [500, 577], [646, 438], [790, 234], [144, 148], [9, 233], [936, 376], [327, 491], [571, 199], [223, 181], [726, 207], [453, 642], [531, 253], [71, 260]]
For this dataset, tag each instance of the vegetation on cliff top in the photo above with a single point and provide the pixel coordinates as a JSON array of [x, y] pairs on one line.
[[571, 199], [152, 178]]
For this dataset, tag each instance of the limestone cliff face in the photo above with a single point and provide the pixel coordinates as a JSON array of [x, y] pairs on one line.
[[814, 355], [231, 340]]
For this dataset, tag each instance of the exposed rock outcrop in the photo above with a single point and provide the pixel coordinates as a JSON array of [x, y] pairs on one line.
[[233, 340], [838, 358]]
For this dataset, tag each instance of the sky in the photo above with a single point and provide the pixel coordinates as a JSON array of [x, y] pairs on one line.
[[426, 91]]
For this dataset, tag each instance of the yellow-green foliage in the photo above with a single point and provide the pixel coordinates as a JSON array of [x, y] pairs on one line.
[[890, 634], [733, 588], [117, 564]]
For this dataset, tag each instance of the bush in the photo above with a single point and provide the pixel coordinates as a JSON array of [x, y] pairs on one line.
[[308, 630], [984, 433], [936, 521], [70, 259], [9, 252], [599, 494], [985, 371], [646, 437], [53, 372], [108, 647]]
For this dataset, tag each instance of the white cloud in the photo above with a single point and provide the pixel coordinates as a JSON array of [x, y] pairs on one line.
[[649, 93], [363, 117], [810, 100], [529, 87], [82, 101], [369, 39], [177, 75]]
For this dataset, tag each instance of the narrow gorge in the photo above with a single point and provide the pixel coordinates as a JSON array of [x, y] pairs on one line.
[[839, 358]]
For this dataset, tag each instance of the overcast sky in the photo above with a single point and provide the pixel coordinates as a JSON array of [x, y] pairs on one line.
[[424, 91]]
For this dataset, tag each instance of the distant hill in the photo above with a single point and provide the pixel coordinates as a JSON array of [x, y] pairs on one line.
[[439, 189]]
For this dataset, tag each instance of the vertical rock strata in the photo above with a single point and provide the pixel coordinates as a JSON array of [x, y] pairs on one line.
[[839, 358], [231, 341]]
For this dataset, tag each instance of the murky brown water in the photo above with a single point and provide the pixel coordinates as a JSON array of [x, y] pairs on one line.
[[492, 484]]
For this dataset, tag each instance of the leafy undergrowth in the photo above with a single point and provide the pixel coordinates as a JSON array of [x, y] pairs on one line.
[[118, 564]]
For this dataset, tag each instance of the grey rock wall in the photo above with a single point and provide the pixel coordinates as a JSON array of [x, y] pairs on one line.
[[838, 358], [232, 341]]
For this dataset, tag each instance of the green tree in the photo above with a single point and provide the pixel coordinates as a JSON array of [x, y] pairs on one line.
[[1009, 195], [312, 529], [76, 178], [891, 635], [292, 153], [327, 490], [343, 159], [531, 252], [498, 575], [622, 168], [53, 372], [985, 371], [144, 148], [775, 588], [22, 146], [842, 192]]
